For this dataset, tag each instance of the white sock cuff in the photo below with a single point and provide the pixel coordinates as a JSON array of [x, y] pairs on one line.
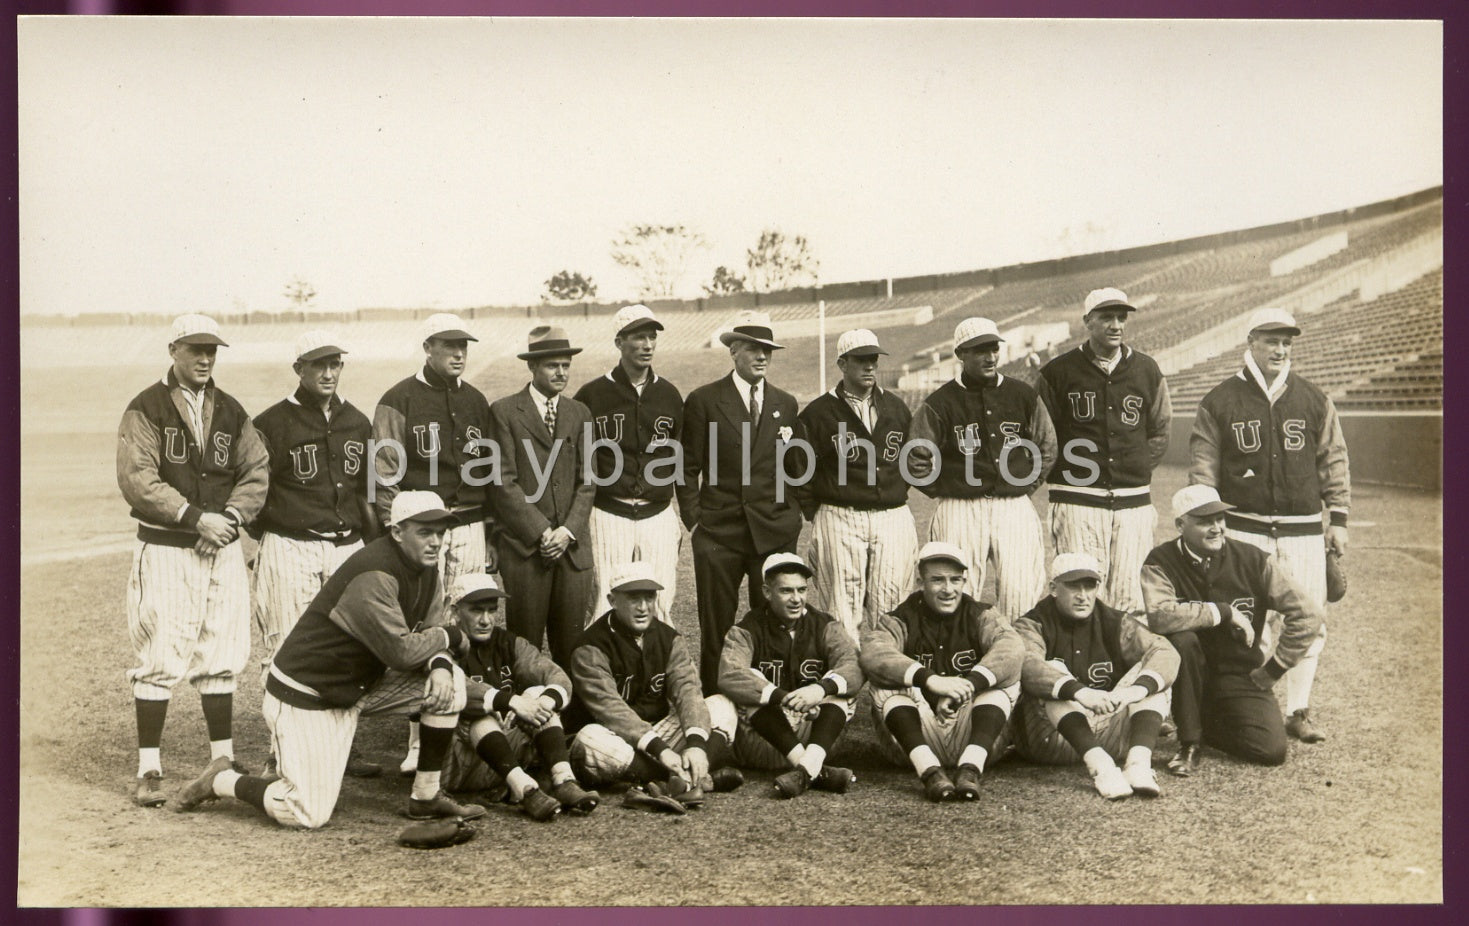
[[224, 748], [224, 783], [149, 760], [812, 761], [923, 759], [975, 756], [425, 785]]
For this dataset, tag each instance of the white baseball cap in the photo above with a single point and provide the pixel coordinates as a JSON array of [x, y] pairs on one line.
[[446, 326], [937, 549], [196, 329], [972, 332], [417, 506], [776, 560], [1271, 319], [634, 577], [1199, 501], [858, 341], [1067, 567], [473, 586], [315, 344], [633, 317], [1107, 297]]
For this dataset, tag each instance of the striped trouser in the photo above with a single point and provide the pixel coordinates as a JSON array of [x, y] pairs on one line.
[[863, 562], [463, 552], [464, 770], [1006, 530], [188, 618], [947, 738], [600, 756], [1303, 560], [1037, 739], [751, 750], [617, 540], [1119, 539], [288, 574]]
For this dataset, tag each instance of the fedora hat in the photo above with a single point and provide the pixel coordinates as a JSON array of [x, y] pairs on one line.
[[548, 341]]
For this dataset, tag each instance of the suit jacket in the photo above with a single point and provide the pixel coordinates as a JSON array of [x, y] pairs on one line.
[[726, 508], [566, 498]]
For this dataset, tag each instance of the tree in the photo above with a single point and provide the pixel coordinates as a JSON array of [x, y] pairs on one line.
[[570, 287], [299, 293], [725, 281], [780, 262], [657, 255]]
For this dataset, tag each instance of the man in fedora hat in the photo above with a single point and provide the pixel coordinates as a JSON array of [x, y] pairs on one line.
[[542, 499], [425, 429], [732, 509], [642, 414]]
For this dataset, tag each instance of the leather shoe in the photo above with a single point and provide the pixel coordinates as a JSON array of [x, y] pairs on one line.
[[150, 789], [833, 778], [1299, 726], [359, 767], [967, 782], [1186, 762], [793, 783], [576, 798], [539, 806], [442, 805], [722, 780], [936, 785], [201, 789]]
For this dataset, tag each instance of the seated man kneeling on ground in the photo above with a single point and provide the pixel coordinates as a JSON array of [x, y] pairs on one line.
[[1094, 684]]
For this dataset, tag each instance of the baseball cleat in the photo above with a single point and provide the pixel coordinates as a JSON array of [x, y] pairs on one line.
[[1141, 778], [793, 783], [576, 798], [359, 767], [936, 785], [1186, 762], [1299, 726], [272, 768], [967, 782], [722, 780], [442, 805], [409, 766], [539, 806], [652, 800], [690, 797], [1110, 782], [201, 789], [833, 778], [150, 789]]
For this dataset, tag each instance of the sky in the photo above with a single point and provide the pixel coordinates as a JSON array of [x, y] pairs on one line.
[[171, 165]]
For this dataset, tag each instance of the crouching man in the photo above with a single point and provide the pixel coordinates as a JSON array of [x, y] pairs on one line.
[[515, 695], [792, 675], [364, 647], [945, 673], [1094, 684]]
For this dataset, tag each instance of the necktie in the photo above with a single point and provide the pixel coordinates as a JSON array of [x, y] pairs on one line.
[[551, 415], [754, 406]]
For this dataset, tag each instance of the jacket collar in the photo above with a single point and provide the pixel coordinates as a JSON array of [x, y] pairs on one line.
[[299, 397], [172, 382], [619, 375], [1253, 373], [999, 379], [1092, 357], [435, 381]]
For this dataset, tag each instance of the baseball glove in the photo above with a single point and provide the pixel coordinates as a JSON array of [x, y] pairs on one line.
[[436, 834], [1336, 577]]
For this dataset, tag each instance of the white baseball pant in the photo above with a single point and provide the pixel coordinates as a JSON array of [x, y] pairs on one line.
[[1303, 559], [1120, 541], [463, 552], [1037, 739], [600, 756], [863, 562], [1006, 530], [947, 738], [751, 750], [616, 540], [188, 618], [288, 574]]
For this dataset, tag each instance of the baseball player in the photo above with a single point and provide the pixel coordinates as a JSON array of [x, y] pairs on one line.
[[995, 446], [863, 539], [636, 682], [945, 673], [192, 467], [731, 505], [364, 646], [438, 420], [1209, 594], [1110, 406], [1094, 683], [543, 499], [515, 695], [642, 415], [316, 512], [791, 673], [1271, 443]]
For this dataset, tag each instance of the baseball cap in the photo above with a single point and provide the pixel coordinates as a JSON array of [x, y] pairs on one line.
[[473, 586], [751, 326], [632, 317], [196, 329], [446, 326], [972, 332], [858, 341], [1272, 319], [1107, 297], [1067, 567], [315, 344], [937, 549], [1199, 501], [634, 577], [776, 560], [417, 506]]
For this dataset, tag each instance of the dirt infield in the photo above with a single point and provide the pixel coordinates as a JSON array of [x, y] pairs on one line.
[[1356, 819]]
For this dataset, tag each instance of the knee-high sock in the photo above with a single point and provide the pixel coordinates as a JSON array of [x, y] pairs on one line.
[[719, 751], [770, 722], [550, 742], [1142, 729], [218, 719], [1079, 733], [495, 749], [906, 727], [828, 725]]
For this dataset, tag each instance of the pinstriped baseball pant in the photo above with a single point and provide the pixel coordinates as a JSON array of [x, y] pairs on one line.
[[288, 574], [188, 619], [600, 756], [464, 552], [1006, 530], [1303, 559], [464, 770], [616, 540], [863, 562], [751, 750], [1120, 541], [947, 738], [1038, 740]]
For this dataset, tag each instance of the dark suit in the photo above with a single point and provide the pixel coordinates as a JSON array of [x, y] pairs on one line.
[[738, 526], [547, 599]]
